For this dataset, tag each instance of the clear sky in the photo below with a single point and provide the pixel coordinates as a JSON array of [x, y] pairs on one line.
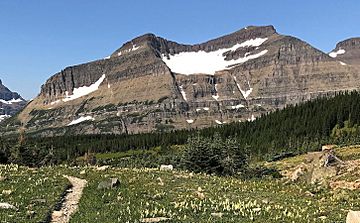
[[40, 37]]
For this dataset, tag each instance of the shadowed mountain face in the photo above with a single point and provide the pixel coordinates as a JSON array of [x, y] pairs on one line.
[[153, 84], [10, 102]]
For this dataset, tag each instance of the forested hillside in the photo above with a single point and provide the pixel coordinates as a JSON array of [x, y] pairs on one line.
[[295, 129]]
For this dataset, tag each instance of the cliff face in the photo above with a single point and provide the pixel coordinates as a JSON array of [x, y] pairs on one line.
[[348, 51], [10, 102], [152, 84]]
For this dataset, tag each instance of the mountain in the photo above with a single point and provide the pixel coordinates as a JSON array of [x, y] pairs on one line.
[[153, 84], [10, 102], [347, 51]]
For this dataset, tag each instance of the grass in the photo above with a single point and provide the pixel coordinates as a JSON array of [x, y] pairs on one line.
[[177, 195], [185, 197], [348, 152]]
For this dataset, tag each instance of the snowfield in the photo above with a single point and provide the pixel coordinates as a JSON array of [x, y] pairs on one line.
[[11, 101], [245, 93], [209, 62], [336, 53], [183, 93], [81, 91], [81, 119]]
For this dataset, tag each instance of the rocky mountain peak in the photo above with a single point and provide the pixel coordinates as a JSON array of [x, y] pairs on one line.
[[347, 51], [10, 102], [352, 43], [154, 84]]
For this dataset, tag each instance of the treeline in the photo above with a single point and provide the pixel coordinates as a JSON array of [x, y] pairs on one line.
[[295, 129]]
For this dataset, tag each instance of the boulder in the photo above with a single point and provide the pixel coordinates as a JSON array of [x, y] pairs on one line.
[[102, 168], [7, 206], [353, 217], [299, 171], [157, 219], [327, 147], [166, 167], [6, 192], [109, 183]]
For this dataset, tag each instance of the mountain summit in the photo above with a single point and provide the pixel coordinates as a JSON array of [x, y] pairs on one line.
[[10, 102], [348, 51], [153, 84]]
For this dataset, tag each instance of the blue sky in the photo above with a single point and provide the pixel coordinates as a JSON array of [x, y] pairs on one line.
[[40, 37]]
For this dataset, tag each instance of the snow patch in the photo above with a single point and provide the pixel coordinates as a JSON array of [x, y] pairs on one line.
[[3, 117], [251, 42], [81, 119], [342, 63], [336, 53], [9, 102], [85, 90], [238, 106], [209, 62], [183, 93], [134, 47], [204, 108], [244, 93], [106, 58], [218, 122], [190, 121]]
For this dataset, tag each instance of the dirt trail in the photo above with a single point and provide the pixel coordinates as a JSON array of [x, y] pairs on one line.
[[71, 201]]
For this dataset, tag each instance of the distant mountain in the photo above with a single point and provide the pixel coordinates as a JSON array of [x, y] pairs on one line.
[[348, 51], [153, 84], [10, 102]]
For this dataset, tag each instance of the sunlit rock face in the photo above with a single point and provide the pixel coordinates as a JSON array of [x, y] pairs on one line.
[[153, 84]]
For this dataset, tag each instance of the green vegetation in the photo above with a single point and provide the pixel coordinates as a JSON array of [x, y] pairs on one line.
[[214, 156], [178, 195], [33, 192], [293, 130]]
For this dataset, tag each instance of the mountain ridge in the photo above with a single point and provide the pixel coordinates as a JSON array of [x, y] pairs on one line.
[[144, 86], [10, 102]]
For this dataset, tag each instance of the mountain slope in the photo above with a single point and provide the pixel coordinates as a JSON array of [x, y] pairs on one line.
[[347, 51], [152, 84], [10, 102]]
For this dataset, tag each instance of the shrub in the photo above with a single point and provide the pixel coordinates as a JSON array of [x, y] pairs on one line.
[[214, 156]]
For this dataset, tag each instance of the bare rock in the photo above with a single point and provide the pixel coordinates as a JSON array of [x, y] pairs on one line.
[[157, 219], [291, 71], [217, 214], [166, 167], [7, 206], [109, 183], [353, 217], [102, 168]]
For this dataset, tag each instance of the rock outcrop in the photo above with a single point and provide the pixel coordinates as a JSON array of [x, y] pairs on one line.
[[153, 84], [10, 102], [348, 52]]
